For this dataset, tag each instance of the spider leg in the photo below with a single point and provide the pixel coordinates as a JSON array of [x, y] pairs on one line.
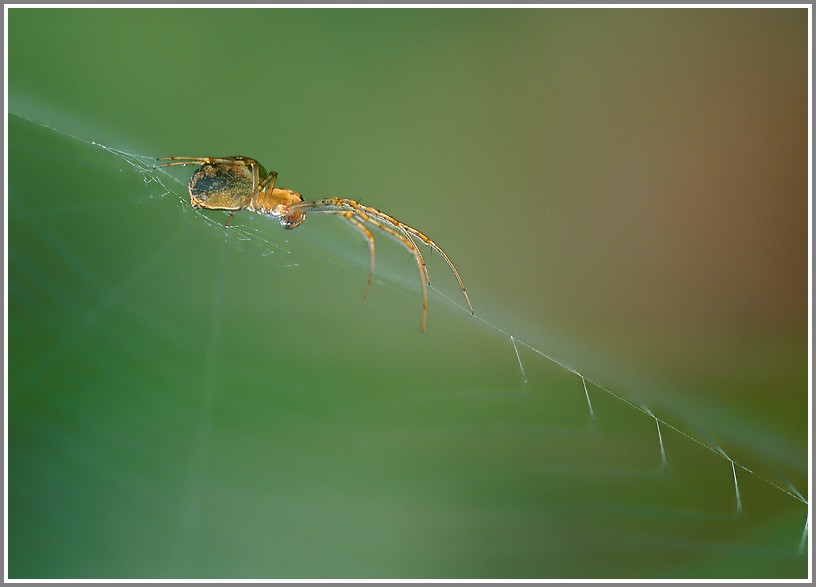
[[269, 182], [187, 161], [393, 227], [345, 208], [246, 162], [370, 238], [371, 215], [409, 244], [256, 179], [405, 229], [174, 163], [436, 248], [421, 256], [178, 159]]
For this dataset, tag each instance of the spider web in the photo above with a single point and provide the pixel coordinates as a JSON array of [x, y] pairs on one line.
[[610, 416]]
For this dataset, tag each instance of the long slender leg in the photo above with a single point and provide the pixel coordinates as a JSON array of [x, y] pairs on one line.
[[256, 179], [180, 160], [407, 243], [372, 215], [370, 238], [390, 225], [421, 256], [195, 161], [405, 228], [414, 250], [269, 182], [188, 162], [435, 247], [246, 162], [399, 233]]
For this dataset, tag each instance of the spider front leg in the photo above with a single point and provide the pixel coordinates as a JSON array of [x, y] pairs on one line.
[[407, 242], [269, 182], [436, 248], [394, 228], [358, 217], [406, 230], [370, 238]]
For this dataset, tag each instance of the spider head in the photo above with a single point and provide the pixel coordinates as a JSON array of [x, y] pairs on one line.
[[282, 200], [293, 220]]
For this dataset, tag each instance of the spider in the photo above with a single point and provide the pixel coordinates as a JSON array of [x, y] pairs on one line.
[[237, 183]]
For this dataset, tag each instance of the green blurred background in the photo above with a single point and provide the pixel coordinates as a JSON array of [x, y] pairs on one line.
[[624, 190]]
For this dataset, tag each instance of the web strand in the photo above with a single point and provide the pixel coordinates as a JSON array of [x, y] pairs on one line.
[[663, 463], [801, 549], [515, 348], [589, 402], [145, 166], [659, 421]]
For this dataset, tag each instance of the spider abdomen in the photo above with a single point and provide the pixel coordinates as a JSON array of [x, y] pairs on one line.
[[212, 186]]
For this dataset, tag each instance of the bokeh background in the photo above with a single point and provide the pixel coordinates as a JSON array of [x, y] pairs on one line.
[[623, 190]]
